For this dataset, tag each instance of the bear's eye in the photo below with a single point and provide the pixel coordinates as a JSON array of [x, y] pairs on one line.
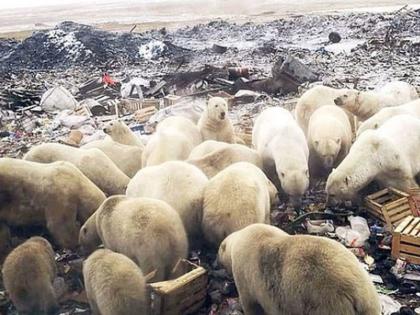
[[345, 96], [217, 106], [282, 174]]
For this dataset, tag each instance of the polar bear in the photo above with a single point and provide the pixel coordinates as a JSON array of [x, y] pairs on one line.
[[126, 157], [206, 147], [178, 183], [365, 104], [120, 132], [93, 163], [28, 275], [236, 197], [174, 139], [114, 284], [55, 195], [377, 120], [148, 231], [284, 151], [329, 139], [214, 123], [277, 273], [315, 98], [388, 155], [217, 160]]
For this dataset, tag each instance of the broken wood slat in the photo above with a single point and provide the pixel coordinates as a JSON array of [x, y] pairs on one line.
[[406, 240]]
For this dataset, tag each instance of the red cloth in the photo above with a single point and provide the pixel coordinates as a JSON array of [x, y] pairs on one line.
[[106, 79]]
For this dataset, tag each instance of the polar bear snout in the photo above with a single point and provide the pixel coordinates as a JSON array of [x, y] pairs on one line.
[[338, 101], [222, 115], [328, 162]]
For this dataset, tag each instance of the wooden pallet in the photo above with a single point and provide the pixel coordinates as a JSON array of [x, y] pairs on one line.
[[406, 240], [389, 205], [183, 295], [414, 200]]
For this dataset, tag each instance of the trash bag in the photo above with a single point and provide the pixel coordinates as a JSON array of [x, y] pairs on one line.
[[57, 99]]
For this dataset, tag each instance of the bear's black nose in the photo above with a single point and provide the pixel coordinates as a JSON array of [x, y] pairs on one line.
[[222, 115]]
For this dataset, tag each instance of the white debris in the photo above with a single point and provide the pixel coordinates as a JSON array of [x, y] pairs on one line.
[[152, 50], [57, 98]]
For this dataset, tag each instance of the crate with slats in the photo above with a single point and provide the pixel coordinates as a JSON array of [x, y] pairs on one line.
[[389, 205], [414, 200], [406, 240], [183, 295], [243, 129]]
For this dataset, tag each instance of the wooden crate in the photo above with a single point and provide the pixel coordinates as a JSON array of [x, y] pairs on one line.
[[144, 114], [414, 200], [183, 295], [389, 205], [171, 99], [406, 240]]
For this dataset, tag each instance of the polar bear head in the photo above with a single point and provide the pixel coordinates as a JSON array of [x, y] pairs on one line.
[[217, 108], [327, 149], [114, 128], [88, 236], [348, 100], [294, 182]]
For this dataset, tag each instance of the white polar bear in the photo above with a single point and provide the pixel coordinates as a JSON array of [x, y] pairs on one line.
[[121, 133], [284, 150], [126, 157], [365, 104], [174, 139], [214, 123], [178, 183], [206, 147], [329, 139], [388, 155], [377, 120], [236, 197]]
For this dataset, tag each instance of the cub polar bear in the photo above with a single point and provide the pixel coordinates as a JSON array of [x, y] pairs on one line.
[[280, 274], [284, 151], [388, 155], [214, 123]]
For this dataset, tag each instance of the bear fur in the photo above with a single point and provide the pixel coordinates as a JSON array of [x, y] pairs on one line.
[[174, 139], [114, 284], [126, 157], [377, 120], [329, 139], [387, 155], [214, 123], [120, 132], [284, 151], [365, 104], [217, 160], [313, 99], [206, 147], [236, 197], [55, 195], [93, 163], [148, 231], [280, 274], [28, 275], [178, 183]]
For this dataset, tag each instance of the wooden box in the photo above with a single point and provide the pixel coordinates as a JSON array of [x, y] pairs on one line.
[[406, 240], [414, 200], [183, 295], [389, 205], [144, 114], [171, 99]]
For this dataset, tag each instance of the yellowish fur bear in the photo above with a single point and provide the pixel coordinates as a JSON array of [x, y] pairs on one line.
[[214, 123], [55, 195], [179, 184], [377, 120], [148, 231], [174, 139], [365, 104], [279, 274], [217, 160], [236, 197], [329, 139], [28, 275], [206, 147], [93, 163], [313, 99], [126, 157], [388, 155], [120, 132], [114, 284], [284, 151]]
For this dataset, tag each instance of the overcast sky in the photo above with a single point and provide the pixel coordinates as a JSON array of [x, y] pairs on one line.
[[11, 4]]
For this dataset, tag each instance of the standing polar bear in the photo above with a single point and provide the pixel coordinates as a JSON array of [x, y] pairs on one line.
[[365, 104], [55, 195], [174, 139], [329, 139], [236, 197], [313, 99], [178, 183], [121, 133], [148, 231], [93, 163], [377, 120], [388, 155], [280, 274], [214, 123], [284, 150], [126, 157]]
